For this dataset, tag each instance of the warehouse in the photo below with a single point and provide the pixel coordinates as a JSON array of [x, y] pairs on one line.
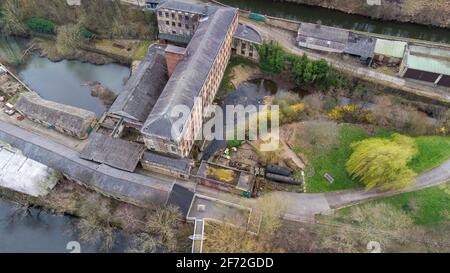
[[389, 51], [323, 38], [427, 64], [66, 119]]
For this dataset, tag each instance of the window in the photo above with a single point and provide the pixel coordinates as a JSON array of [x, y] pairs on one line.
[[243, 51], [186, 17], [250, 47], [160, 13], [250, 54], [173, 24], [187, 26], [243, 46], [167, 15], [167, 23], [180, 17], [179, 24], [174, 32], [173, 15]]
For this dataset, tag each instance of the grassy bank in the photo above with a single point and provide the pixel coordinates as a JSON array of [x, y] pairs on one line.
[[432, 151]]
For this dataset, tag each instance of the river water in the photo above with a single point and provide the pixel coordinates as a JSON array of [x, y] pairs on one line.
[[40, 232], [312, 14]]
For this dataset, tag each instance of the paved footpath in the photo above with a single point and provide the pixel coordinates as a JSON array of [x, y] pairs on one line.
[[303, 206]]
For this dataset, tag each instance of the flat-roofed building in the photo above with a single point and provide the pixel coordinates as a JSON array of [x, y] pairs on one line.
[[389, 51], [427, 64]]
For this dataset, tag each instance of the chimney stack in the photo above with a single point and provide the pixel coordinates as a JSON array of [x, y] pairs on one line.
[[174, 54]]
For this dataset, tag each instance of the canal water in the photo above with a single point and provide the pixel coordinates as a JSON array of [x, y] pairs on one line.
[[40, 232], [312, 14]]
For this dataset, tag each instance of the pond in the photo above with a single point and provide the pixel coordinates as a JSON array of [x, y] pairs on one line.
[[37, 231], [65, 81]]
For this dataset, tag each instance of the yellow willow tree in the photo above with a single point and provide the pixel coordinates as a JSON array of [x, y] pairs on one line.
[[383, 163]]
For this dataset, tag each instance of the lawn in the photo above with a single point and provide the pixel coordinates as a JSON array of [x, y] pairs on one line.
[[432, 151], [333, 162], [141, 50], [428, 207]]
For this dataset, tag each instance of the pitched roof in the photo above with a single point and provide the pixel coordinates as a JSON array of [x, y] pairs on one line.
[[248, 33], [429, 59], [115, 152], [323, 36], [390, 48], [143, 88], [70, 118], [190, 74], [360, 45]]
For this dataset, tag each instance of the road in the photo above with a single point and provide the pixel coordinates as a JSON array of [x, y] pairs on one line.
[[303, 206]]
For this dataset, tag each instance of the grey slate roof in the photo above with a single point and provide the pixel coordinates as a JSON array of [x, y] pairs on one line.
[[178, 164], [360, 45], [248, 33], [115, 152], [131, 186], [182, 6], [323, 36], [190, 74], [143, 88], [182, 198], [73, 119]]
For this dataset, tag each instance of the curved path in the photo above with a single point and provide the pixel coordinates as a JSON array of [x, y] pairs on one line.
[[303, 206]]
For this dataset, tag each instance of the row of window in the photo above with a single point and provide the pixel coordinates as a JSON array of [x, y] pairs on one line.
[[173, 15], [179, 25]]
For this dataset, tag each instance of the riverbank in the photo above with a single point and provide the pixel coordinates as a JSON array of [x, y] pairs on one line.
[[100, 217]]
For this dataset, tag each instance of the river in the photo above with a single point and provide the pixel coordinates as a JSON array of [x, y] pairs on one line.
[[312, 14], [40, 232]]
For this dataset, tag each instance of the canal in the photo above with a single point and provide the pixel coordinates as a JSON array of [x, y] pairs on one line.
[[312, 14]]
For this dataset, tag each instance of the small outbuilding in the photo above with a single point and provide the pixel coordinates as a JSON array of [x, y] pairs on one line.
[[389, 51], [176, 167], [427, 64], [66, 119], [245, 42]]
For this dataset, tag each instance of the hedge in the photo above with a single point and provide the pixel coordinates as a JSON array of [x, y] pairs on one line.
[[41, 25]]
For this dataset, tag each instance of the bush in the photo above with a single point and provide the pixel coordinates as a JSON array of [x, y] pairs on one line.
[[234, 143], [41, 25], [319, 136]]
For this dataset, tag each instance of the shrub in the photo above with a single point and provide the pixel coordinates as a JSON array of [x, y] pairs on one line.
[[351, 114], [41, 25]]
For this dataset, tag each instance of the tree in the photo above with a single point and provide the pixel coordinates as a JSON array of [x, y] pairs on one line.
[[299, 68], [378, 222], [383, 163], [272, 58]]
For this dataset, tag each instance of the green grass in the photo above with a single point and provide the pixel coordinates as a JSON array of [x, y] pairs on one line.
[[333, 162], [427, 207], [432, 151]]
